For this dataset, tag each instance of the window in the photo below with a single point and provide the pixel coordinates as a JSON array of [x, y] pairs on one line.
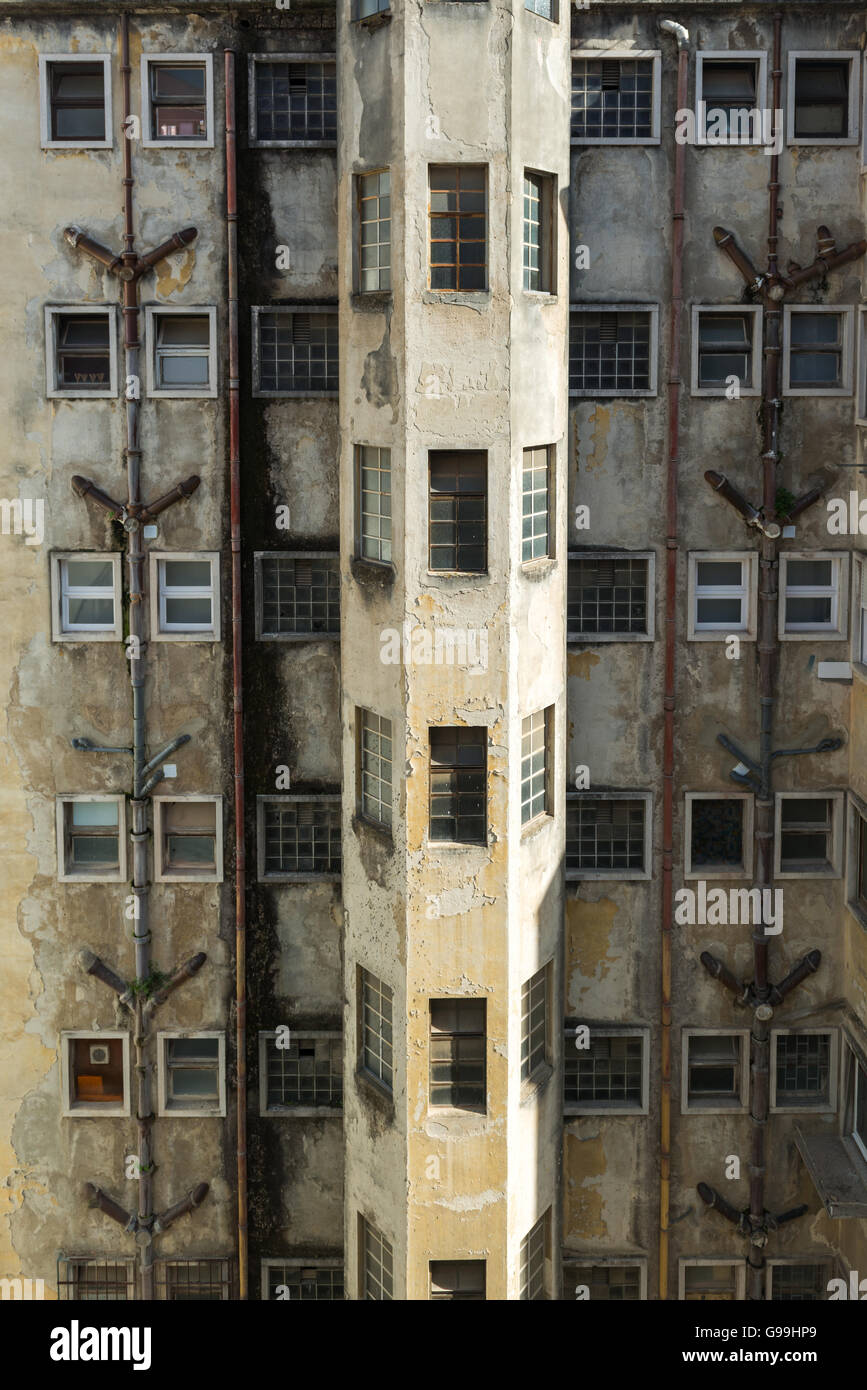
[[302, 1281], [611, 1074], [532, 1260], [857, 1126], [722, 596], [457, 1280], [374, 228], [718, 835], [715, 1070], [177, 100], [373, 505], [75, 101], [823, 98], [86, 597], [817, 350], [608, 836], [365, 8], [726, 344], [535, 1025], [302, 1078], [546, 9], [94, 1072], [377, 1262], [803, 1070], [91, 838], [457, 1053], [536, 521], [295, 352], [615, 98], [377, 1055], [458, 511], [194, 1281], [857, 859], [535, 794], [809, 834], [184, 589], [540, 199], [94, 1279], [188, 838], [299, 837], [612, 351], [293, 99], [191, 1074], [605, 1283], [458, 780], [811, 587], [80, 352], [297, 595], [729, 97], [713, 1280], [458, 227], [859, 613], [182, 352], [798, 1283], [375, 767], [609, 597]]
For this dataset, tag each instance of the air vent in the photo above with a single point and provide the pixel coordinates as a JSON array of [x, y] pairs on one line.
[[603, 813], [605, 574], [610, 76], [608, 328], [303, 574], [301, 328], [99, 1055], [306, 813]]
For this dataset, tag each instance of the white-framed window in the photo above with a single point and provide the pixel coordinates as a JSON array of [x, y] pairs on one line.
[[855, 1117], [822, 97], [303, 1281], [293, 100], [374, 767], [301, 1073], [80, 351], [536, 1023], [817, 349], [613, 349], [610, 596], [94, 1072], [711, 1279], [373, 503], [722, 595], [297, 595], [538, 251], [188, 838], [797, 1281], [609, 1076], [608, 834], [856, 858], [615, 1279], [298, 838], [177, 93], [86, 596], [534, 1260], [185, 596], [537, 522], [809, 835], [181, 351], [718, 835], [726, 344], [191, 1074], [715, 1069], [295, 350], [373, 221], [804, 1069], [813, 589], [91, 838], [859, 612], [376, 1261], [536, 739], [730, 88], [375, 1035], [75, 101], [615, 96]]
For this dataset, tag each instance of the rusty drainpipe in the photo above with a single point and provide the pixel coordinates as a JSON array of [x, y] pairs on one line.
[[237, 687], [674, 381]]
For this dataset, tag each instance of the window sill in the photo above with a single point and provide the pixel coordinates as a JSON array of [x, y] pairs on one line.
[[90, 878], [722, 636], [577, 1112], [838, 1172], [361, 824], [110, 395], [371, 301], [538, 569], [304, 1112], [293, 145], [375, 1089], [469, 299], [295, 395], [458, 1117], [788, 874], [373, 21], [210, 395], [372, 572], [533, 1086], [86, 1111], [718, 1107], [169, 877], [151, 144], [609, 875], [460, 576], [114, 636], [592, 140], [450, 846], [816, 635], [534, 827], [184, 637], [859, 670], [599, 639], [74, 145], [859, 913], [541, 296], [298, 637], [718, 393], [300, 878]]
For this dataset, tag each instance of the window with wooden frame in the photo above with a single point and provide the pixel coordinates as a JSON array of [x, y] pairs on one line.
[[535, 1023], [177, 100], [730, 97], [817, 350], [95, 1073], [94, 1279], [181, 352], [458, 226], [91, 838], [458, 785], [376, 1051], [375, 767], [809, 834], [81, 352], [457, 1281], [377, 1262], [191, 1074], [537, 495], [194, 1281], [538, 264], [532, 1260], [457, 1054], [188, 838], [458, 505], [726, 349], [373, 210], [536, 732], [715, 1070], [822, 97]]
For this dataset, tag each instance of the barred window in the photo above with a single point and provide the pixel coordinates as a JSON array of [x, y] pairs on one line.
[[534, 1023], [606, 835], [532, 1261], [607, 595], [295, 101], [610, 353], [299, 1283], [458, 226], [375, 757], [612, 99], [297, 352], [534, 766], [95, 1280], [715, 833], [374, 223], [604, 1283], [706, 1281], [457, 1053], [377, 1055], [377, 1263], [194, 1281], [807, 1283], [608, 1074], [535, 522], [300, 595], [458, 776], [461, 1281], [308, 1073], [299, 837], [374, 503], [458, 511], [803, 1069]]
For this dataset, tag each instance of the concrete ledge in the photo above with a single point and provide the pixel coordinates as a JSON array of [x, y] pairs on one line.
[[838, 1171]]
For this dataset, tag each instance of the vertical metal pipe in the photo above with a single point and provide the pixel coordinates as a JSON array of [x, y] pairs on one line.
[[237, 686]]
